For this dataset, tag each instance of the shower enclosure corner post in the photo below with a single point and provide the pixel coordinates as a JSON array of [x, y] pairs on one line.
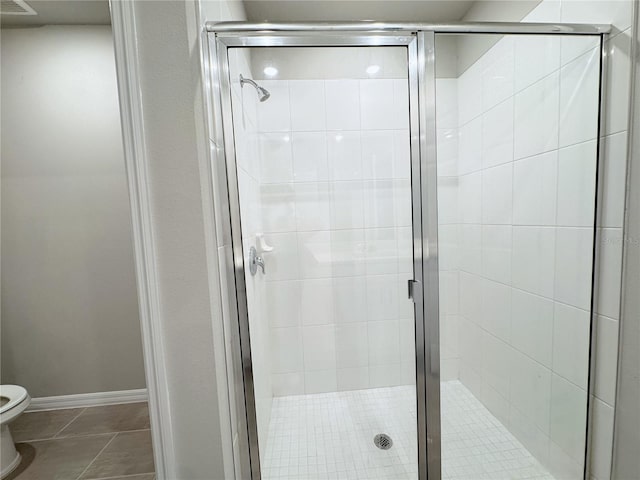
[[227, 183], [430, 366]]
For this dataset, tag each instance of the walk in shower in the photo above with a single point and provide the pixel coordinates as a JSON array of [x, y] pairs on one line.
[[411, 210]]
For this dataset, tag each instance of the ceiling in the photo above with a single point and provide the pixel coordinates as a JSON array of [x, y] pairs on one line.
[[61, 12], [388, 10], [96, 12]]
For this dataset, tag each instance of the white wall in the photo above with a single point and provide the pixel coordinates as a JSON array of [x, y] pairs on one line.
[[69, 306], [525, 202]]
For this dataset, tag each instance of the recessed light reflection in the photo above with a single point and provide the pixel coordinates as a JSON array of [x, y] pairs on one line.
[[373, 69], [270, 71]]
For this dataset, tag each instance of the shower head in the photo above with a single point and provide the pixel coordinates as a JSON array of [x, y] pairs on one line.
[[263, 93]]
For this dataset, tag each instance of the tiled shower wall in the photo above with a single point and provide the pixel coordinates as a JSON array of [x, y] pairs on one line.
[[335, 207], [527, 144]]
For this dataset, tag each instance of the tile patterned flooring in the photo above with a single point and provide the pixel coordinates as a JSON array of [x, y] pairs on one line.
[[330, 436], [111, 442]]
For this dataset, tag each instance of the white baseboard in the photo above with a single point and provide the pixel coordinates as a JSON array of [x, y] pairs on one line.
[[87, 400]]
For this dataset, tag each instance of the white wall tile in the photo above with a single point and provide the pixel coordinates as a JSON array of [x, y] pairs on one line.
[[308, 111], [448, 290], [400, 111], [385, 375], [470, 296], [470, 94], [378, 154], [286, 345], [536, 56], [402, 204], [532, 326], [276, 162], [350, 299], [347, 204], [377, 104], [579, 82], [384, 342], [319, 342], [530, 390], [471, 248], [282, 263], [316, 301], [577, 184], [470, 150], [278, 209], [401, 154], [571, 332], [382, 297], [447, 147], [470, 198], [496, 362], [345, 156], [352, 346], [496, 309], [343, 104], [447, 102], [534, 190], [533, 260], [282, 303], [497, 195], [497, 134], [309, 157], [320, 381], [574, 248], [312, 210], [536, 118], [497, 73], [448, 197], [287, 384], [355, 378], [274, 114], [568, 417], [314, 254], [381, 247], [448, 245], [348, 252], [379, 208], [496, 252]]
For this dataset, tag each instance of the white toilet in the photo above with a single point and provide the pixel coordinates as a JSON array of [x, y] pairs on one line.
[[13, 401]]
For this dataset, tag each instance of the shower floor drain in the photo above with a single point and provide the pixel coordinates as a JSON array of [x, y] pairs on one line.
[[383, 441]]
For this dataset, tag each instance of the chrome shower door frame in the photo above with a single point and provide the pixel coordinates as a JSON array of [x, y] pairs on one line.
[[421, 77]]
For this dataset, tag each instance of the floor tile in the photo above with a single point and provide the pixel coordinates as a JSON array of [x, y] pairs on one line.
[[41, 425], [330, 435], [108, 419], [59, 459], [129, 453]]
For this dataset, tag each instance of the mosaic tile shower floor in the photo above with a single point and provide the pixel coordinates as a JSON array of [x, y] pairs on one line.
[[330, 436]]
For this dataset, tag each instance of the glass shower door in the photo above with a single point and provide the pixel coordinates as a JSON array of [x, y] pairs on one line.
[[324, 165], [517, 138]]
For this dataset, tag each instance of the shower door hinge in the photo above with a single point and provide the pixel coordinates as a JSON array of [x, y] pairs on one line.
[[412, 288]]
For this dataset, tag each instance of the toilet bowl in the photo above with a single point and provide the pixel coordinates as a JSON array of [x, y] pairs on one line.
[[13, 401]]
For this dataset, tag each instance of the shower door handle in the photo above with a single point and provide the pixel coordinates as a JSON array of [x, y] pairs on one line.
[[412, 288]]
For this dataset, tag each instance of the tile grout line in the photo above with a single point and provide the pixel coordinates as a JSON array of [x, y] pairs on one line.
[[70, 422], [97, 455]]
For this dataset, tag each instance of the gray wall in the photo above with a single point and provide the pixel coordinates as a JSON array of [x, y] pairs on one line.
[[69, 301]]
